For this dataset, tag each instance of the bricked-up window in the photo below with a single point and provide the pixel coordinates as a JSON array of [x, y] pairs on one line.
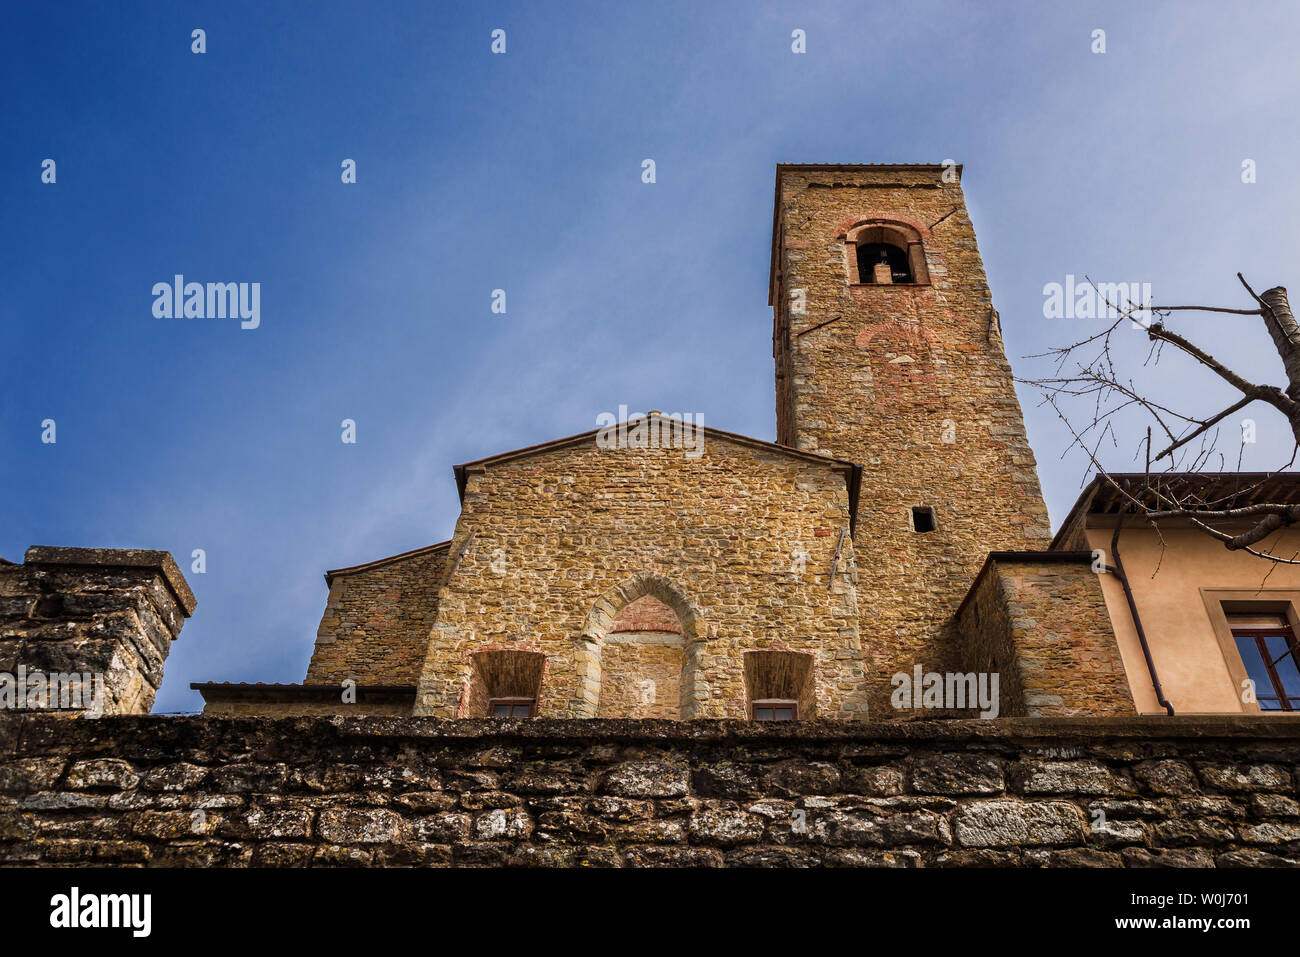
[[511, 707], [923, 519], [776, 710], [870, 255], [1268, 649]]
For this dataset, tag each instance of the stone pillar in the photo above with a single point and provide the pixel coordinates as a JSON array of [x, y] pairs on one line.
[[882, 274], [88, 621]]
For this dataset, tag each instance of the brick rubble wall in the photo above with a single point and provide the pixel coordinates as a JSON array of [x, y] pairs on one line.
[[647, 614], [356, 791], [642, 678], [375, 629]]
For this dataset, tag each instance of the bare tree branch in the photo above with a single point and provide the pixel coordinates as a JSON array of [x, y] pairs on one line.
[[1190, 440]]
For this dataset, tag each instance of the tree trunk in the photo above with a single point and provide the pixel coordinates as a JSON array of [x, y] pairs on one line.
[[1286, 335]]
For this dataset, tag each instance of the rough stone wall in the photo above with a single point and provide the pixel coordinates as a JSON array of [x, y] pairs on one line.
[[1042, 624], [111, 613], [564, 539], [369, 791], [986, 626], [911, 382], [377, 619]]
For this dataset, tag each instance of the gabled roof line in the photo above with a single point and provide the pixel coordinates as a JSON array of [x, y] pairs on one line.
[[366, 566], [852, 471], [580, 437]]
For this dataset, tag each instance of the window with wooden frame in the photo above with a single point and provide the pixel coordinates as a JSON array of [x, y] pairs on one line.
[[511, 707], [775, 709], [1268, 649]]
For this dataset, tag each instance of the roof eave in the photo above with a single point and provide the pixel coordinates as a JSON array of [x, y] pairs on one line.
[[366, 566], [1084, 503]]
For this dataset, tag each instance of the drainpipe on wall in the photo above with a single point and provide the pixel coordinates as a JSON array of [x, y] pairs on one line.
[[1118, 571]]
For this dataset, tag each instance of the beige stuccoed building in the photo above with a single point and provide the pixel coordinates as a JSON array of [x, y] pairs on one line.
[[659, 568], [1200, 629]]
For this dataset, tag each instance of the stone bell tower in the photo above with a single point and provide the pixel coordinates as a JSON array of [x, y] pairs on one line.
[[889, 354]]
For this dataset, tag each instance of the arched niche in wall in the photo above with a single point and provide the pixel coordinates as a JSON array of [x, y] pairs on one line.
[[600, 622], [896, 244]]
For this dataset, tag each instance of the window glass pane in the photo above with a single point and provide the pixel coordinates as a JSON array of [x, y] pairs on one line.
[[762, 714], [1255, 669], [521, 711], [783, 714], [501, 711], [1278, 648]]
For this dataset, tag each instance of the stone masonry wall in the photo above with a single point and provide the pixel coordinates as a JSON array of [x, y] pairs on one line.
[[107, 613], [1131, 792], [912, 383], [377, 619], [738, 542], [1041, 623], [986, 625]]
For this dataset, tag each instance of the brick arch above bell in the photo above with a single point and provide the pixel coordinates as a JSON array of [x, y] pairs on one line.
[[883, 217]]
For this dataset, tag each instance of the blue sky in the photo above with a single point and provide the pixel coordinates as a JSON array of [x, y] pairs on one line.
[[522, 171]]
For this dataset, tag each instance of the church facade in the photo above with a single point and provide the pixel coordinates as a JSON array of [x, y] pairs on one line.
[[895, 531]]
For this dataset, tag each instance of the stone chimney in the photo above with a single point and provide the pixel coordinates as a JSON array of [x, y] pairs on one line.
[[77, 622]]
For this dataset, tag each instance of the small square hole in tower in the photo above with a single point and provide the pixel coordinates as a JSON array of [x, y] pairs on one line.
[[923, 518]]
